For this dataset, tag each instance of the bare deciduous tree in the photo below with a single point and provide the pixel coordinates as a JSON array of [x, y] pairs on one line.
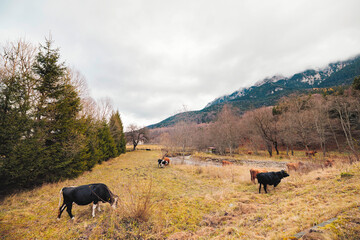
[[181, 135], [347, 113], [296, 109], [135, 135], [224, 131], [16, 63], [265, 125], [287, 131], [105, 108], [319, 112], [248, 132]]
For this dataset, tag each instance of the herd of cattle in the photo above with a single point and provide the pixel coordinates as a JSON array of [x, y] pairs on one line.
[[99, 192]]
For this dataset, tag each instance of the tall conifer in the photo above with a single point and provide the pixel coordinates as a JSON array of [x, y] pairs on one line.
[[59, 104], [117, 132]]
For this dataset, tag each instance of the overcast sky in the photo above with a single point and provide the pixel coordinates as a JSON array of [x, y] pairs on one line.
[[151, 58]]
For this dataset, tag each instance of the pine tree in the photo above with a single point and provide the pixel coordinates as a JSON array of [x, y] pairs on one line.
[[356, 83], [106, 143], [57, 126], [16, 109], [117, 132]]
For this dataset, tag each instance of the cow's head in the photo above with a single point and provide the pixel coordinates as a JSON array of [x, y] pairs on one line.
[[284, 173], [114, 200]]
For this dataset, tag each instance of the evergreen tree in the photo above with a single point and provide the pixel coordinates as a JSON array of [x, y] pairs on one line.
[[117, 132], [106, 143], [16, 109], [43, 136], [57, 126], [356, 83]]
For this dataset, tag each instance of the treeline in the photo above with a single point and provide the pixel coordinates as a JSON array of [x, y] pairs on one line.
[[326, 120], [50, 129]]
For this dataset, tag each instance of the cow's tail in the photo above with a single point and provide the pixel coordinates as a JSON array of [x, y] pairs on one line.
[[60, 197]]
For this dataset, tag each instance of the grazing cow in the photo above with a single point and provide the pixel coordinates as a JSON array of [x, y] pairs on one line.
[[294, 166], [254, 172], [310, 153], [329, 163], [167, 160], [161, 163], [84, 195], [226, 163], [270, 178], [249, 152]]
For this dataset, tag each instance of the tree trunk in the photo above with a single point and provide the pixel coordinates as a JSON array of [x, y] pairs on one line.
[[345, 124], [287, 150], [269, 148], [276, 147], [334, 135]]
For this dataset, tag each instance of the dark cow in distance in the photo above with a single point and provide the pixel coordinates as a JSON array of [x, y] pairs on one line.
[[84, 195], [271, 178]]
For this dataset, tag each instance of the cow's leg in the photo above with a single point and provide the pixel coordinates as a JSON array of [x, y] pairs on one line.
[[277, 183], [68, 209], [99, 207], [61, 209], [265, 188], [260, 188], [93, 209]]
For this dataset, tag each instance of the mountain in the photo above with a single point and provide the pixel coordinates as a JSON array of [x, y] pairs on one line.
[[269, 90]]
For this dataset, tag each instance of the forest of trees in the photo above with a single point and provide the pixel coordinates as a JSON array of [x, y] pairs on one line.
[[325, 119], [50, 129]]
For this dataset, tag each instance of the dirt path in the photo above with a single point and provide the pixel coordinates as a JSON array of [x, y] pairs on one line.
[[189, 160]]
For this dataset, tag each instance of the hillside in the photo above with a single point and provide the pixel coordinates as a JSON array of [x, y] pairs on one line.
[[268, 91], [186, 202]]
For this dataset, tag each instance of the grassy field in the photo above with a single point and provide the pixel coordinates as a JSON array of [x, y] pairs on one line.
[[186, 202]]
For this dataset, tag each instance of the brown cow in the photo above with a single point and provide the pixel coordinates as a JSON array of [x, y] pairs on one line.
[[294, 166], [167, 160], [309, 153], [254, 172], [225, 163], [249, 152], [329, 163]]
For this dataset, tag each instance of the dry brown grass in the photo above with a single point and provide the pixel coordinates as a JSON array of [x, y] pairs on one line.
[[184, 202], [138, 203]]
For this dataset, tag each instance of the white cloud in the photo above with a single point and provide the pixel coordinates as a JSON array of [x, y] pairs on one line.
[[153, 57]]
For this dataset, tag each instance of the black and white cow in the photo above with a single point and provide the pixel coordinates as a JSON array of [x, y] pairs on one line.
[[162, 163], [84, 195]]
